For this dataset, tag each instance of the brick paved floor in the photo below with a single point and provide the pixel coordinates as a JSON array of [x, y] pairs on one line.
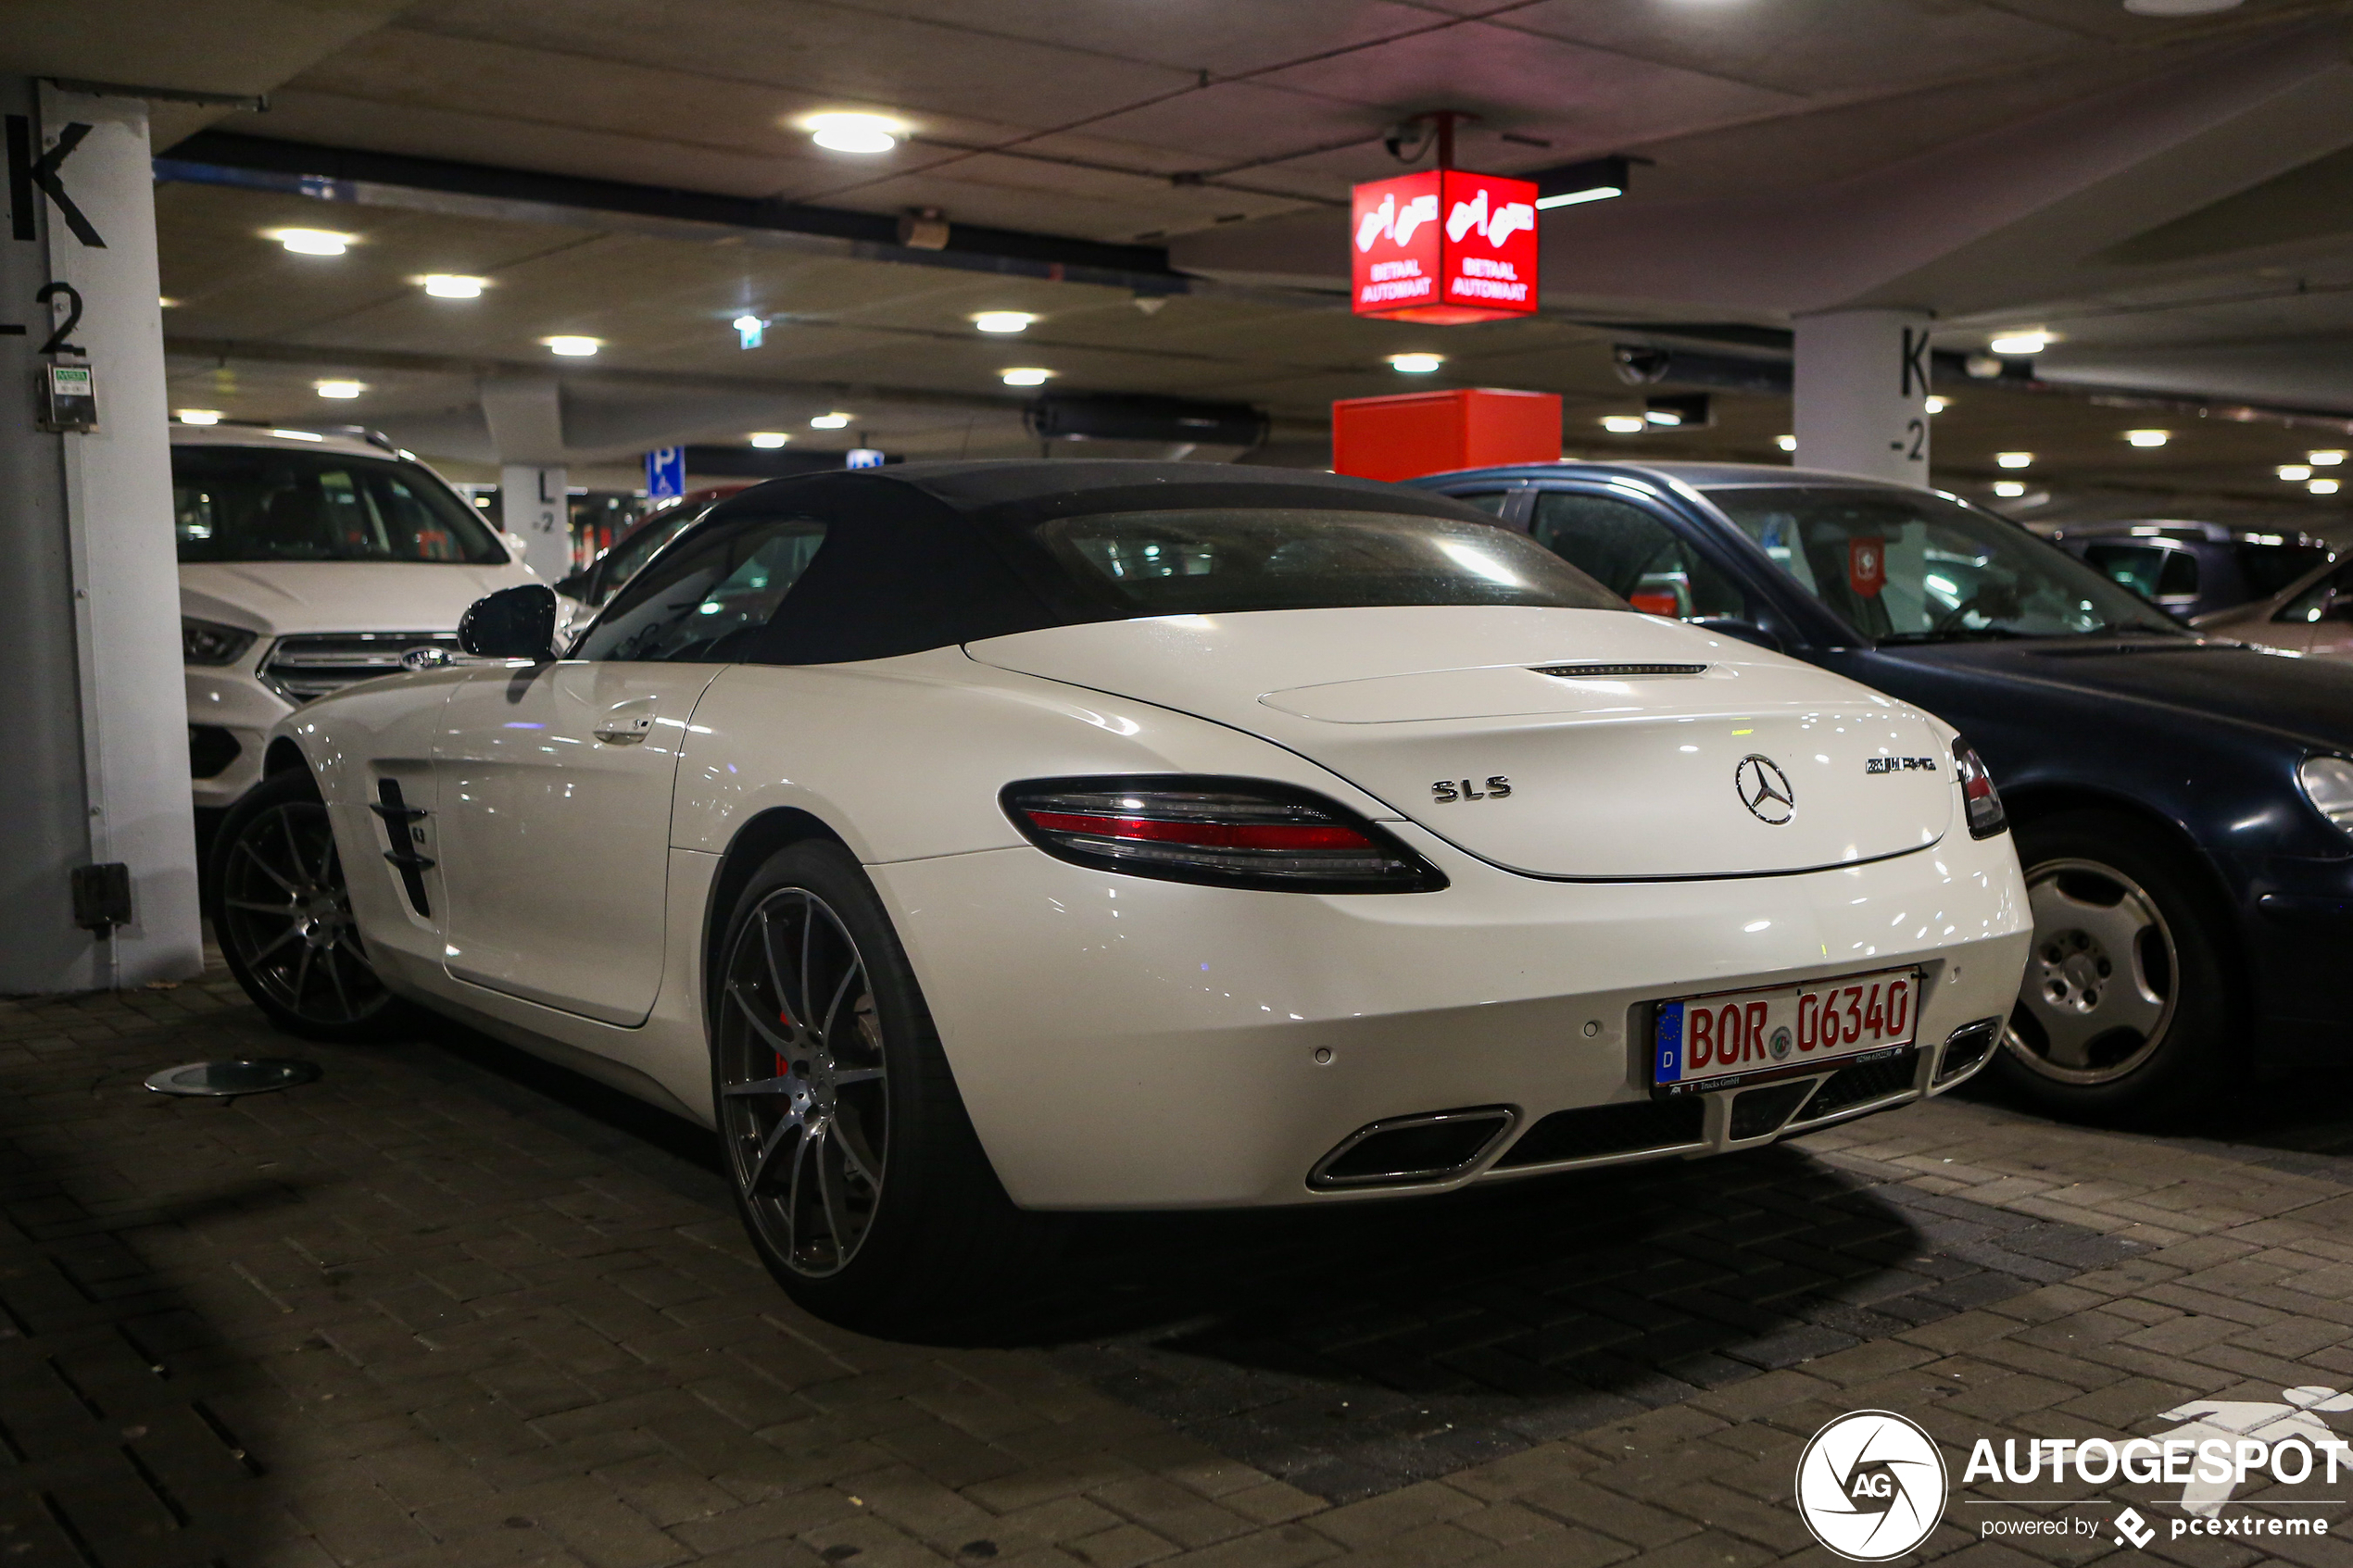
[[448, 1306]]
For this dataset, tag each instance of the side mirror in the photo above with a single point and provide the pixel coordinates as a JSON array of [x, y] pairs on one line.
[[572, 585], [1733, 626], [512, 624]]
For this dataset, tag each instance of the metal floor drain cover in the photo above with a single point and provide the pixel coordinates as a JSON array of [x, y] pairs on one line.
[[223, 1078]]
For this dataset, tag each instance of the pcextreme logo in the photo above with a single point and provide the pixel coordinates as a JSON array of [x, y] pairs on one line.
[[1872, 1485]]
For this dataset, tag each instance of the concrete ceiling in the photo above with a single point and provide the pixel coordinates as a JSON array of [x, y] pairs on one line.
[[2166, 194]]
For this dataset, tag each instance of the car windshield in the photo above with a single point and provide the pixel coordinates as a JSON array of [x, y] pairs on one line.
[[1206, 561], [266, 503], [1900, 567]]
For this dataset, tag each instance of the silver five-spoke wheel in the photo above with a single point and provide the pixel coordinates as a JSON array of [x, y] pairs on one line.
[[285, 917], [2098, 992], [804, 1101]]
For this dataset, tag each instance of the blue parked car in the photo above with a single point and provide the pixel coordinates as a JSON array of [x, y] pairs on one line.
[[2183, 805]]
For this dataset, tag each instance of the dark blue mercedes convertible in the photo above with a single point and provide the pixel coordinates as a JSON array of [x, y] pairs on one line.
[[2183, 804]]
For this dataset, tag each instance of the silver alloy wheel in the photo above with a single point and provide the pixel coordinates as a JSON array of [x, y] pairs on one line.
[[2101, 981], [804, 1104], [288, 916]]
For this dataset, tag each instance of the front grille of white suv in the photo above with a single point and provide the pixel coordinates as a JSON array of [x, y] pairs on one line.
[[314, 663]]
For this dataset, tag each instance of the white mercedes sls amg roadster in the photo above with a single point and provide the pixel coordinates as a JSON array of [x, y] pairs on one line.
[[963, 841]]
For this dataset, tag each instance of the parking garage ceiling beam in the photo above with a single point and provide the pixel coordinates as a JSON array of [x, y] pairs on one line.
[[338, 174]]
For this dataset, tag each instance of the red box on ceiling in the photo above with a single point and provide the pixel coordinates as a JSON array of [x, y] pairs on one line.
[[1445, 246], [1418, 432]]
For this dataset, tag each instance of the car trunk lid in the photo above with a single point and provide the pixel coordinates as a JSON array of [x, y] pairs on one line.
[[1627, 746]]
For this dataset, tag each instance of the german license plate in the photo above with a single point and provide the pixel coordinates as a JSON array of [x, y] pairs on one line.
[[1703, 1043]]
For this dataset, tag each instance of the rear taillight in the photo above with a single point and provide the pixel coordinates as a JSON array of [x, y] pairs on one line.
[[1228, 832], [1982, 801]]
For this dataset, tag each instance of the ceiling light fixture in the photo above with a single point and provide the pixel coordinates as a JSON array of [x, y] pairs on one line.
[[453, 285], [854, 132], [838, 421], [769, 440], [1625, 425], [1415, 364], [2008, 489], [1003, 320], [167, 302], [2325, 459], [1027, 375], [1938, 405], [573, 347], [198, 416], [340, 388], [2295, 473], [2021, 343], [2013, 460], [2148, 437], [1573, 185], [2322, 487], [312, 241], [1786, 443], [751, 331]]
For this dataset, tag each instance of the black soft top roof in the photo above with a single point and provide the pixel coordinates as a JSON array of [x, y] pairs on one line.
[[921, 555]]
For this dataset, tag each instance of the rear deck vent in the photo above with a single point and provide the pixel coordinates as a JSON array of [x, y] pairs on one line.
[[1615, 672], [1866, 1081], [1594, 1131], [1413, 1149]]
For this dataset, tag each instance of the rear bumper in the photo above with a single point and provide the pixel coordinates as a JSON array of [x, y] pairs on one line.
[[1125, 1043]]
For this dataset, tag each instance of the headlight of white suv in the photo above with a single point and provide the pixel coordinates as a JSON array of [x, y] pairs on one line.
[[209, 641], [2328, 784]]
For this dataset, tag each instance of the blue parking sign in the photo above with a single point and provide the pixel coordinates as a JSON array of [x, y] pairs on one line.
[[666, 472]]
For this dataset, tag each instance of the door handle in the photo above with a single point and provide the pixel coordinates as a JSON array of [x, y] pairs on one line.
[[626, 724]]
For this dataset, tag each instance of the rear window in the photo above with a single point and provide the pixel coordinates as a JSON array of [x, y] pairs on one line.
[[1209, 562], [2270, 568], [2151, 570], [265, 504]]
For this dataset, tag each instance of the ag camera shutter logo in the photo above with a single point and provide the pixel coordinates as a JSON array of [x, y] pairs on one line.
[[1871, 1485]]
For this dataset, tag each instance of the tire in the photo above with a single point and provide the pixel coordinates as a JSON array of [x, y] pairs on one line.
[[2126, 1010], [282, 914], [856, 1170]]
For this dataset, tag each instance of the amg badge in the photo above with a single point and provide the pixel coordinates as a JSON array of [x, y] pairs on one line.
[[1444, 790]]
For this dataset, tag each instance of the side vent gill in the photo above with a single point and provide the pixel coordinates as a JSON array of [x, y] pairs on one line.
[[399, 816]]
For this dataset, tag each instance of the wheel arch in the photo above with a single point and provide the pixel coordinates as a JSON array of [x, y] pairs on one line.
[[283, 756], [761, 837], [2033, 802]]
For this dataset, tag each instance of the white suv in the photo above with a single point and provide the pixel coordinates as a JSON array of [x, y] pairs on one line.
[[308, 561]]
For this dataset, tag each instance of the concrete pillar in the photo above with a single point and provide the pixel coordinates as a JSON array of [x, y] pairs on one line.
[[1862, 394], [526, 420], [94, 707], [534, 501]]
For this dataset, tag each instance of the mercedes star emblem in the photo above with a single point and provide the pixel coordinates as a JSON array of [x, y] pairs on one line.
[[1765, 790]]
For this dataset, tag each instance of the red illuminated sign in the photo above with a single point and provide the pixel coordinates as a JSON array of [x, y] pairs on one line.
[[1445, 246]]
